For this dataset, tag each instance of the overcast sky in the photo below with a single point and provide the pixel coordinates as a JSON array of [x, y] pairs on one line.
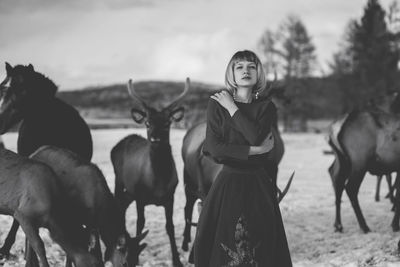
[[98, 42]]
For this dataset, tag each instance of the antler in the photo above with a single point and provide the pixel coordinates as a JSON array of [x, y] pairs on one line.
[[134, 95], [281, 195], [179, 98]]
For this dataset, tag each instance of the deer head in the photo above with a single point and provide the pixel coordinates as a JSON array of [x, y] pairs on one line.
[[158, 122], [127, 250]]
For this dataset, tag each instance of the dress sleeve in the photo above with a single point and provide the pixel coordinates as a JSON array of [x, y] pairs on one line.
[[214, 144], [255, 131]]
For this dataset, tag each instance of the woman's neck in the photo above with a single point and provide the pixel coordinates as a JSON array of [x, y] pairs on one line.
[[243, 95]]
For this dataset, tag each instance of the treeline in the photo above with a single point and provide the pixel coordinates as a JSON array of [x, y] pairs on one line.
[[313, 98]]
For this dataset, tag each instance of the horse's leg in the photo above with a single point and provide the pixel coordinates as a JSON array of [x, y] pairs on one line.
[[10, 240], [352, 188], [190, 200], [378, 187], [338, 180], [171, 232], [35, 243], [140, 218], [396, 204]]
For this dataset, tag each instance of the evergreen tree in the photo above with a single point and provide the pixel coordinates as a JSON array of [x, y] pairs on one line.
[[368, 57]]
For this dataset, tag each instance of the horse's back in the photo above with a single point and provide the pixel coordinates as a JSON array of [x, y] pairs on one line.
[[59, 124]]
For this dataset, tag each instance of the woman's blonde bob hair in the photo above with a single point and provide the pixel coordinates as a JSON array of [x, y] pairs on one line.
[[251, 57]]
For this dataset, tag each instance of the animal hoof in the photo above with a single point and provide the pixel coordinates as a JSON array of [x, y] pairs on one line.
[[178, 264], [4, 256], [366, 230], [338, 228]]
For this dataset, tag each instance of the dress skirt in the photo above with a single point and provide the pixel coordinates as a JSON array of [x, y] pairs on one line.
[[240, 223]]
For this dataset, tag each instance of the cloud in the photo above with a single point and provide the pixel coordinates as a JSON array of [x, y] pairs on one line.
[[88, 42], [25, 6], [195, 55]]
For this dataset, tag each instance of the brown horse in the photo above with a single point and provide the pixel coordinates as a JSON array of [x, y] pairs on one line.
[[144, 169], [92, 203], [29, 192], [28, 97]]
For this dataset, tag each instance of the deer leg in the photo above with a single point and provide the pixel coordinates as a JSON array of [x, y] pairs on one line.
[[68, 262], [10, 240], [390, 195], [352, 188], [191, 255], [171, 232], [35, 243], [338, 180], [396, 204], [190, 200], [378, 187], [30, 255], [140, 218], [94, 243]]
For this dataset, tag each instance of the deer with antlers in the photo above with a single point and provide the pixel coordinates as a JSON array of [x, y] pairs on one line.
[[144, 169]]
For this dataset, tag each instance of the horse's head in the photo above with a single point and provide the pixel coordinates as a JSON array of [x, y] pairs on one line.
[[158, 122], [127, 250], [21, 90]]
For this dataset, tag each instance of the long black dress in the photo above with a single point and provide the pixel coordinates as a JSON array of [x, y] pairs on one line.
[[240, 223]]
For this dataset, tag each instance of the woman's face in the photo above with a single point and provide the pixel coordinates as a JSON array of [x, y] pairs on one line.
[[245, 73]]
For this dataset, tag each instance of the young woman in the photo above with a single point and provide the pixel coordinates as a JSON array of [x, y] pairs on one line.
[[240, 223]]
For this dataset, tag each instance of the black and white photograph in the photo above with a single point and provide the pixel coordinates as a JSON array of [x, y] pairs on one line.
[[200, 133]]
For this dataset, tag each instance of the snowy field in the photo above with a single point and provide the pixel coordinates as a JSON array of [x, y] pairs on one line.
[[307, 210]]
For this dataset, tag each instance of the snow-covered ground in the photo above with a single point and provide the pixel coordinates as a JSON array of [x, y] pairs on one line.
[[307, 210]]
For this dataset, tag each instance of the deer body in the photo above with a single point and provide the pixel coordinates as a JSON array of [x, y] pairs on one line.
[[144, 169], [29, 192], [90, 200]]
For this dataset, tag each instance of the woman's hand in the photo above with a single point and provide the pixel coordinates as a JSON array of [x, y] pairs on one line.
[[265, 147], [268, 143], [225, 99]]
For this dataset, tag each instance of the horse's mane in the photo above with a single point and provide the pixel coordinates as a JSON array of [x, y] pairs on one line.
[[38, 80]]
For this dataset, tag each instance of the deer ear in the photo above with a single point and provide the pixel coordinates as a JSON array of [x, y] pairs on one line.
[[8, 68], [30, 67], [177, 114], [138, 115]]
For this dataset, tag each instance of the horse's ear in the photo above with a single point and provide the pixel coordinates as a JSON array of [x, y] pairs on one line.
[[8, 68], [30, 67]]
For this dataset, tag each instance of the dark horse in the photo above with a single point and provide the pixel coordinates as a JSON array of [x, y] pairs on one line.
[[28, 97]]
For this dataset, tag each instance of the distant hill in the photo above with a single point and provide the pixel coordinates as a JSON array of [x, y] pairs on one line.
[[110, 105]]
